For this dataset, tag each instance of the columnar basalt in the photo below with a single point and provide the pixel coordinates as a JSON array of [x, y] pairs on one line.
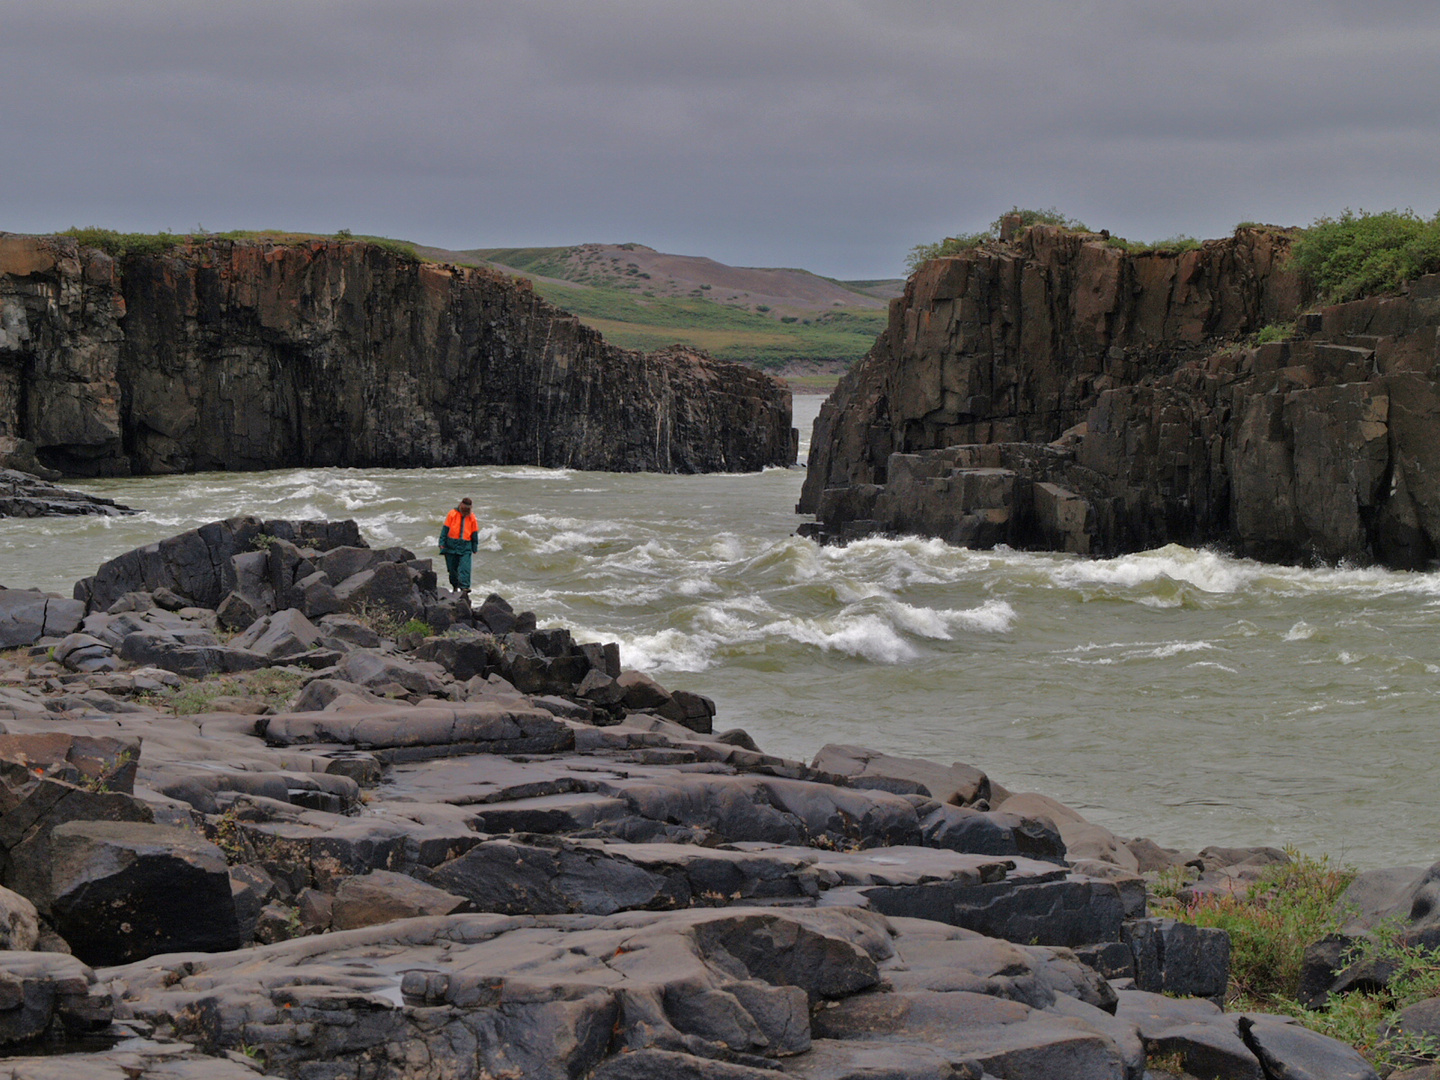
[[1056, 392], [253, 355]]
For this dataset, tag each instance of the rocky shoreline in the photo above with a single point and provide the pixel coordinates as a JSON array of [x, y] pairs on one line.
[[271, 803]]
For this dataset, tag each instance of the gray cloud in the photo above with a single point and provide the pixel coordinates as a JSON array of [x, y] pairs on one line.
[[832, 134]]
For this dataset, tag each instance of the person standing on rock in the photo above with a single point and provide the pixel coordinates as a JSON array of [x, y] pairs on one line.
[[459, 540]]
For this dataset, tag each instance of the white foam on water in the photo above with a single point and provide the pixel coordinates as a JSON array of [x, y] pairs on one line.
[[867, 637], [1212, 664], [1173, 648], [1301, 631], [529, 472], [668, 650], [1204, 570]]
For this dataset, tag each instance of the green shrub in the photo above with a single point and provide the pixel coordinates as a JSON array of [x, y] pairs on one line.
[[1362, 254], [1290, 906], [1361, 1018], [920, 254], [418, 626], [1171, 245], [1275, 332], [117, 244]]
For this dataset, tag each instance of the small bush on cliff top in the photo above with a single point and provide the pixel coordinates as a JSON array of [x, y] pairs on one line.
[[920, 254], [1362, 254], [116, 244], [1171, 245]]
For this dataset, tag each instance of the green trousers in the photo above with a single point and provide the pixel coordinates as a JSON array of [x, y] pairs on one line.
[[457, 565]]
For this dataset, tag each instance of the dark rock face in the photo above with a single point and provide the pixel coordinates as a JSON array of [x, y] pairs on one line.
[[347, 355], [1058, 393], [124, 890]]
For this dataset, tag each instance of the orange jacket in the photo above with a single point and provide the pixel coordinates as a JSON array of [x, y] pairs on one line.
[[460, 530]]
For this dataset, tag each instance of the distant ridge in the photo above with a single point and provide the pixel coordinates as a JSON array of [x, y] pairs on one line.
[[780, 318]]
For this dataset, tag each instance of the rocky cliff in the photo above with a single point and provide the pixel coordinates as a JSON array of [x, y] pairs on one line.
[[1054, 391], [253, 355]]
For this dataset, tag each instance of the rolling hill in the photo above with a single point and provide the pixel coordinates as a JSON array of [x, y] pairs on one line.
[[787, 319]]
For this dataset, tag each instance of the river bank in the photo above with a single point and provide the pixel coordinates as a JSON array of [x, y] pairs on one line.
[[348, 843]]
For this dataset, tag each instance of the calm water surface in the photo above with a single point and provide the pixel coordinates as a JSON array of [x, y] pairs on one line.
[[1176, 694]]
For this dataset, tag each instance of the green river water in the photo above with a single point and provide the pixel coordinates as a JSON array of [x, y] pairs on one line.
[[1176, 694]]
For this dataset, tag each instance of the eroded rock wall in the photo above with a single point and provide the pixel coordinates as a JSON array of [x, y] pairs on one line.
[[254, 355], [1118, 409], [1016, 343]]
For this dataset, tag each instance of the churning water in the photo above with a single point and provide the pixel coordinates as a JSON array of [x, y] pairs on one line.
[[1176, 694]]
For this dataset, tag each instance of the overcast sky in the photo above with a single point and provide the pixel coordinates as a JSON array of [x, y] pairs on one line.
[[828, 134]]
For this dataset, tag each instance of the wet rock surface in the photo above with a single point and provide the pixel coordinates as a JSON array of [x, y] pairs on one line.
[[393, 861]]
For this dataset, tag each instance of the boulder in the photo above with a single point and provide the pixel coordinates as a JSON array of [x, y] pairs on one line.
[[373, 670], [199, 563], [36, 807], [641, 691], [382, 896], [196, 661], [960, 828], [387, 587], [27, 615], [83, 653], [958, 784], [122, 891], [284, 634], [693, 711], [464, 657], [1177, 958], [19, 922], [497, 615], [43, 990]]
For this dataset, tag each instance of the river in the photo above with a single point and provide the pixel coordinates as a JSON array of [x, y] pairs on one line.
[[1176, 694]]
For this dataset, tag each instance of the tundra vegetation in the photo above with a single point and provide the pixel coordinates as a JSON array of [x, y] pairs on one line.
[[1293, 905], [1354, 255]]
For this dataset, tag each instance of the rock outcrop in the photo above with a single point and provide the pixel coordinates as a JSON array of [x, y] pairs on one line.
[[23, 495], [253, 355], [1056, 392], [407, 866]]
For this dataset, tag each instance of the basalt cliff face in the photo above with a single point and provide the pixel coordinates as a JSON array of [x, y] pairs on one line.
[[1056, 392], [256, 355]]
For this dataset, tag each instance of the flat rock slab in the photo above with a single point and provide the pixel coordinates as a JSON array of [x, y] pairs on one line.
[[137, 1059], [527, 996], [975, 1033], [1290, 1052], [958, 784], [410, 733]]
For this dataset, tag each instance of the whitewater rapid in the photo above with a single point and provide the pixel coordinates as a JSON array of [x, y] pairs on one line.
[[1177, 694]]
